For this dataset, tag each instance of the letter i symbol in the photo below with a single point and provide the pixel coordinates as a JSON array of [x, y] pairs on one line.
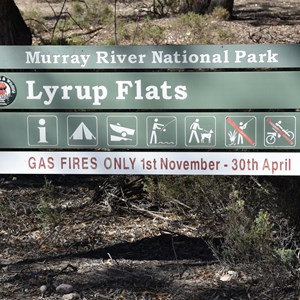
[[42, 131]]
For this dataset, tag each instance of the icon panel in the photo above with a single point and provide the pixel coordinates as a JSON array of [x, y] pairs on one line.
[[280, 131], [42, 130], [240, 131], [200, 131], [122, 130], [161, 131], [82, 130]]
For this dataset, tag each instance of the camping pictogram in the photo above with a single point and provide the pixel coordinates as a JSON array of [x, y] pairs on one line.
[[82, 133], [240, 131], [82, 130], [280, 131]]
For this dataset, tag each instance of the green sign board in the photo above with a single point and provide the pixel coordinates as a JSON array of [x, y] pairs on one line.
[[151, 90], [153, 98], [150, 57], [152, 130]]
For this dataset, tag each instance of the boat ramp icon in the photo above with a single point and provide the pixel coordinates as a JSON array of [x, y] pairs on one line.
[[122, 130], [82, 130], [123, 133]]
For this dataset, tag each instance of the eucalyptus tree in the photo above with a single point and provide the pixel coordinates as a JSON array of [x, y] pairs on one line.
[[205, 6], [13, 29]]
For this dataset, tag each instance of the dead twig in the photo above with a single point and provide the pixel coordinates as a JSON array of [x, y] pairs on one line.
[[58, 17], [148, 212]]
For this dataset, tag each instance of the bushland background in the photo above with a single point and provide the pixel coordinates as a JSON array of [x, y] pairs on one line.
[[157, 237]]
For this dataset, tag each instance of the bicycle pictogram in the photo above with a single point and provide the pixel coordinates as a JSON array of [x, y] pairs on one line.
[[279, 133]]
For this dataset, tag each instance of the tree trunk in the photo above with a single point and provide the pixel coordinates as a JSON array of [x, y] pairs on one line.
[[227, 4], [197, 6], [13, 29]]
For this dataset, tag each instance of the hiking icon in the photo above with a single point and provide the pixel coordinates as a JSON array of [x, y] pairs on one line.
[[200, 131]]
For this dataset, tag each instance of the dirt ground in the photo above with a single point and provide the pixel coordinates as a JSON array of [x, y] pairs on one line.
[[105, 240], [257, 21]]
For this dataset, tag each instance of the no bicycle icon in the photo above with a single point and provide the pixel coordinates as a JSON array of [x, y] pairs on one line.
[[280, 131]]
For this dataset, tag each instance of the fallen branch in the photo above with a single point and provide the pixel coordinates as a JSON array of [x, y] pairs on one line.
[[148, 212]]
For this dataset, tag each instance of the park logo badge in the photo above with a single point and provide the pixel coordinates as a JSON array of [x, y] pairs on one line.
[[8, 91]]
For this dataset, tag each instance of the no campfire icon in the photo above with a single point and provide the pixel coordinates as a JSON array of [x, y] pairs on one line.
[[240, 131]]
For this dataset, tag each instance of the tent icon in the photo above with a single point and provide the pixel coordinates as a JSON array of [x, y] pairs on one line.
[[82, 133]]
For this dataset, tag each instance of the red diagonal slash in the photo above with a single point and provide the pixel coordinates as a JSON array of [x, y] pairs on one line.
[[236, 127], [280, 131]]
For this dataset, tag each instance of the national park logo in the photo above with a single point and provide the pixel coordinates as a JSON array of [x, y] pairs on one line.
[[8, 91]]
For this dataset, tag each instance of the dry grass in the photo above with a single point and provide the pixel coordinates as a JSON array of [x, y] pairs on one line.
[[87, 22]]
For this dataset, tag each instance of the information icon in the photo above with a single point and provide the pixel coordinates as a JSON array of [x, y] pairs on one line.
[[42, 130]]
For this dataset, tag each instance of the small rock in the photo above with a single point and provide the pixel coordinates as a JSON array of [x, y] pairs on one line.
[[229, 276], [64, 288], [233, 274], [43, 289], [71, 296]]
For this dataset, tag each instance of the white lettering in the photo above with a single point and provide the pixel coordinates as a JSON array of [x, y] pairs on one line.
[[123, 89], [251, 58], [100, 93], [50, 91], [103, 57], [95, 93], [31, 95], [150, 92], [36, 58], [239, 54]]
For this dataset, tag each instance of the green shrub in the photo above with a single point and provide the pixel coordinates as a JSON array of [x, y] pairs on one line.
[[287, 256], [202, 29], [204, 194], [49, 216], [91, 13], [220, 13], [245, 240], [163, 8]]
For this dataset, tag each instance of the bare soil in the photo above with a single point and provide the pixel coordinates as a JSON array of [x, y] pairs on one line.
[[99, 233], [259, 21]]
